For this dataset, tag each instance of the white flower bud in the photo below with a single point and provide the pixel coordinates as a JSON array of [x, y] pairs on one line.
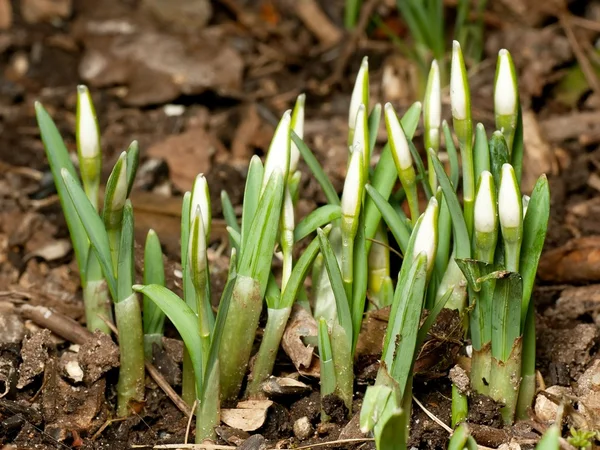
[[486, 215], [510, 210], [505, 89], [433, 98], [352, 193], [360, 93], [120, 193], [458, 83], [197, 247], [278, 157], [398, 142], [88, 138], [201, 201], [427, 234]]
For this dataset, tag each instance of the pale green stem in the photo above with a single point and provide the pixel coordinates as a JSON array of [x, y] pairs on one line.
[[505, 379], [460, 406], [114, 241], [265, 358], [344, 364], [481, 365], [527, 388], [238, 335], [347, 263], [131, 383], [188, 379]]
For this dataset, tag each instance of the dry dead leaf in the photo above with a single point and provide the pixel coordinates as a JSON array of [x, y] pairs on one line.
[[539, 158], [249, 415], [577, 261], [300, 325], [51, 251]]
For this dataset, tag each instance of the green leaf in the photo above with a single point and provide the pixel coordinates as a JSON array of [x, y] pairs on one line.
[[228, 212], [185, 227], [219, 327], [405, 327], [385, 174], [316, 169], [251, 198], [452, 155], [337, 285], [398, 228], [461, 439], [360, 280], [516, 157], [154, 273], [461, 235], [300, 271], [126, 263], [115, 194], [390, 431], [184, 319], [317, 218], [498, 156], [58, 158], [374, 121], [133, 161], [420, 170], [550, 439], [481, 151], [94, 228], [234, 237], [256, 258], [535, 226], [376, 397], [506, 313], [326, 358]]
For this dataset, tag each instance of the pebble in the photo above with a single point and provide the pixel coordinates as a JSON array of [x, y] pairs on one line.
[[303, 429]]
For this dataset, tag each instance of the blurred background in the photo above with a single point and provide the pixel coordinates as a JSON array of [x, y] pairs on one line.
[[200, 84]]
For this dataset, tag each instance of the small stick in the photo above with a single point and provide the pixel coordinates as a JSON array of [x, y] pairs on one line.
[[189, 424]]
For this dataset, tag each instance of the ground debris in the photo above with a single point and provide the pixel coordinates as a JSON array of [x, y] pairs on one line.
[[36, 352], [97, 356]]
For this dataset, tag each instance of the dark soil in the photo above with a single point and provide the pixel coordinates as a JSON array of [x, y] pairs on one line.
[[204, 100]]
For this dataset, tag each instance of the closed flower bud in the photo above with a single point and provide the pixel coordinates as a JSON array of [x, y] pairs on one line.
[[201, 201], [297, 124], [88, 137], [360, 93], [427, 234], [510, 209], [486, 215], [505, 88], [397, 138], [459, 96], [278, 157]]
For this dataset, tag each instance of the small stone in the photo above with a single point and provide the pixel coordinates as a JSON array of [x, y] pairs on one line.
[[71, 368], [546, 409], [303, 429]]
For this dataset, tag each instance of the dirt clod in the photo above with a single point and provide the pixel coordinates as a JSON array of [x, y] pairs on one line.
[[335, 408], [97, 356], [35, 353]]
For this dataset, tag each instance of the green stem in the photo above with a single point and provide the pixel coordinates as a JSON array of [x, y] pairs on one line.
[[188, 380], [504, 383], [265, 358], [96, 298], [413, 201], [238, 335], [347, 263], [460, 406], [343, 363], [453, 279], [131, 383], [481, 365], [114, 241], [208, 409], [527, 388]]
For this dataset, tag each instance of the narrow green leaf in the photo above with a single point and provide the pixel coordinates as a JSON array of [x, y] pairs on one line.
[[385, 174], [516, 157], [126, 263], [316, 169], [133, 161], [407, 322], [360, 280], [58, 158], [461, 235], [235, 237], [316, 219], [154, 273], [506, 313], [326, 358], [550, 439], [185, 227], [94, 228], [390, 431], [228, 212], [337, 285], [535, 226], [498, 156], [376, 397], [481, 151], [374, 121], [251, 198], [420, 170], [184, 319], [452, 155], [398, 228], [219, 327], [300, 271]]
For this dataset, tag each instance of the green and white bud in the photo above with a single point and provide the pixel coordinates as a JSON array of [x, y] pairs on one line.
[[201, 199], [432, 108], [116, 194], [353, 192], [459, 88], [486, 218], [88, 144], [297, 124], [197, 260], [278, 157], [360, 138], [360, 96], [398, 141], [510, 212], [427, 235], [506, 97]]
